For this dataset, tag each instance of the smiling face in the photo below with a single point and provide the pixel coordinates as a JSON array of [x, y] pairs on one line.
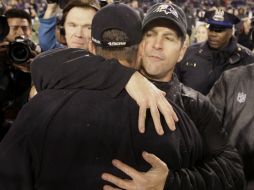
[[161, 49], [78, 27]]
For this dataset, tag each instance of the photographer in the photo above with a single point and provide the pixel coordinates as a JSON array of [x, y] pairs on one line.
[[74, 29], [16, 53]]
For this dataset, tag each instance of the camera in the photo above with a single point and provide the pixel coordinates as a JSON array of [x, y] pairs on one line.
[[19, 50]]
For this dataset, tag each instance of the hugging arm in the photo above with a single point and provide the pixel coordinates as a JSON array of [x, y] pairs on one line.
[[79, 69]]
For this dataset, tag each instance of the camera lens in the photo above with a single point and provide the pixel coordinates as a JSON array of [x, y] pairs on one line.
[[19, 53]]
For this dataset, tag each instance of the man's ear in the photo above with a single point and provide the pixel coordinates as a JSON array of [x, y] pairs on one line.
[[186, 44], [141, 48], [91, 47]]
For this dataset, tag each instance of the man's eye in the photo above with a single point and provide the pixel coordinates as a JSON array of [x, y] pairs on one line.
[[148, 34], [171, 39], [71, 25]]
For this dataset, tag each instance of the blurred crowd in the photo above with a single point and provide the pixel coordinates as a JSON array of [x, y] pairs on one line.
[[219, 37], [194, 9]]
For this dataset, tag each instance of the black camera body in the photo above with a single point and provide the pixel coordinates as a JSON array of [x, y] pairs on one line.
[[19, 50]]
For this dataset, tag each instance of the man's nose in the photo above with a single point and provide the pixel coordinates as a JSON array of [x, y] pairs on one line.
[[157, 43], [79, 32], [20, 32]]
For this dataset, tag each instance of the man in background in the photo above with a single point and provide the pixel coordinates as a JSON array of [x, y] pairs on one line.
[[204, 62], [74, 26], [17, 51]]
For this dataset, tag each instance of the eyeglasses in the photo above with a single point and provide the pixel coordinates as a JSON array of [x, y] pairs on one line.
[[16, 28]]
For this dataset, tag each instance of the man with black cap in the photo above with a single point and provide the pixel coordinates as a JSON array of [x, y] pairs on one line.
[[163, 45], [204, 62]]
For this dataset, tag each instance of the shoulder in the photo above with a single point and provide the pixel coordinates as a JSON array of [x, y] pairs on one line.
[[242, 49], [63, 52], [62, 56], [198, 107], [247, 56], [194, 51], [238, 72], [193, 95], [195, 46]]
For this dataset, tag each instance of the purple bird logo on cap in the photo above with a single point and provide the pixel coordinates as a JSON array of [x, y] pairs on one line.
[[167, 9]]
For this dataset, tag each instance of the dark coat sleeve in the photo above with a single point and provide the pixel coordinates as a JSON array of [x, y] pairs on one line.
[[221, 172], [221, 166], [75, 68], [218, 97]]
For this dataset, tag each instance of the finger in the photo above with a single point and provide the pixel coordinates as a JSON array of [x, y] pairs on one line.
[[174, 116], [156, 119], [108, 187], [168, 113], [126, 169], [124, 184], [154, 161], [141, 119], [163, 93], [4, 43]]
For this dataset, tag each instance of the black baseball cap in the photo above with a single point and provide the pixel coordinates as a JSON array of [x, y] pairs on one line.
[[221, 18], [116, 16], [168, 11]]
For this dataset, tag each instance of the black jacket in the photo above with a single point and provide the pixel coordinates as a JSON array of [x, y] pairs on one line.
[[66, 136], [202, 66], [14, 92], [233, 96]]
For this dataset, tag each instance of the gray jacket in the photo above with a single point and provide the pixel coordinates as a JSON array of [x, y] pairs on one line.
[[233, 95]]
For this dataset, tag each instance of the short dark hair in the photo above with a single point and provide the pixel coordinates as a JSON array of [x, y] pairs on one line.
[[89, 4], [122, 53], [18, 13]]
